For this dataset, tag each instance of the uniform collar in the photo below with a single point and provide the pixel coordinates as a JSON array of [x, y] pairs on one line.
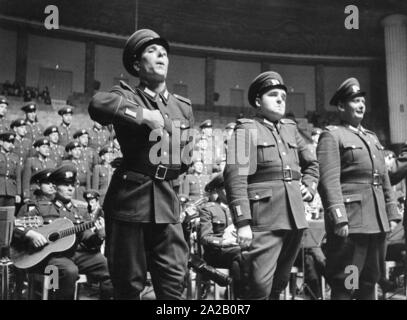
[[150, 94], [273, 125], [65, 125], [60, 205], [359, 129]]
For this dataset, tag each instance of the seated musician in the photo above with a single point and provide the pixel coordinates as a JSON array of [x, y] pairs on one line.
[[81, 258], [217, 233]]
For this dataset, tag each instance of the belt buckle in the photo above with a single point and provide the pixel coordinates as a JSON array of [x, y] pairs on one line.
[[161, 172], [287, 175], [376, 179]]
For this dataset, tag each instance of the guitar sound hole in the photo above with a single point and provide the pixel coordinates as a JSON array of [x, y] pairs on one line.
[[53, 236]]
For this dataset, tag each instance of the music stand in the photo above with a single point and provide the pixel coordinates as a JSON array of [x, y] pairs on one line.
[[312, 238]]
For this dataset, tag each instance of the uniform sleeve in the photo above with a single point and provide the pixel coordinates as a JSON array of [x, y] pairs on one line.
[[241, 161], [399, 172], [390, 200], [110, 107], [88, 178], [26, 178], [18, 179], [308, 163], [329, 184], [207, 236]]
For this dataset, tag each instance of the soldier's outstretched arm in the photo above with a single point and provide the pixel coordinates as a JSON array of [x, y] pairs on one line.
[[329, 184]]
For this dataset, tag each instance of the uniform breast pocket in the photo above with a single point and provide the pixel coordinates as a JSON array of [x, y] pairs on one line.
[[267, 151], [294, 151], [380, 152], [352, 152], [353, 206], [260, 204]]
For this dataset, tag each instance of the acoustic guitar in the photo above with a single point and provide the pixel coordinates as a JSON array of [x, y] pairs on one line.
[[61, 236]]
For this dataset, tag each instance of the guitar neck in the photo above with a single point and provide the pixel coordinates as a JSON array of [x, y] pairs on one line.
[[76, 229]]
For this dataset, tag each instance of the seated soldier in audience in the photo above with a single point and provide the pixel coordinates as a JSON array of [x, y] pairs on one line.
[[88, 154], [102, 173], [10, 171], [34, 164], [217, 233], [34, 129], [94, 208], [84, 257], [56, 152], [83, 182], [22, 145]]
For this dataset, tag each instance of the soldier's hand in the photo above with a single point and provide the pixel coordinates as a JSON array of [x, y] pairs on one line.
[[37, 239], [100, 227], [153, 119], [18, 199], [342, 230], [393, 225], [244, 237], [306, 194]]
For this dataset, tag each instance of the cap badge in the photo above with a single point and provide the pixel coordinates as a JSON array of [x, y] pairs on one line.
[[68, 174], [355, 88]]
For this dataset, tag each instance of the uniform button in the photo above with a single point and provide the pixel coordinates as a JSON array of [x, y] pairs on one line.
[[353, 146], [264, 143], [165, 153], [374, 156], [279, 141], [256, 197], [368, 142], [283, 153], [124, 176], [166, 115], [183, 126]]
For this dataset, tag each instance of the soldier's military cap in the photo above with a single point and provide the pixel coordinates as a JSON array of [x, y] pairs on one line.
[[65, 174], [41, 176], [91, 194], [50, 129], [3, 100], [135, 45], [17, 123], [231, 125], [216, 183], [79, 133], [350, 88], [72, 145], [40, 142], [262, 83], [206, 124], [65, 110], [8, 136], [105, 150], [29, 107], [316, 131]]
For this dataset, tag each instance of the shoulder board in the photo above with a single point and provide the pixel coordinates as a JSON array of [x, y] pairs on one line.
[[244, 120], [186, 100], [79, 203], [124, 85], [42, 203], [288, 121], [370, 132], [331, 128]]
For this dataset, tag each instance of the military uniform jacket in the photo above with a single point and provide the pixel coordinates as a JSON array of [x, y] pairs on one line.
[[57, 153], [99, 138], [51, 210], [10, 174], [354, 185], [257, 152], [90, 157], [33, 165], [132, 195], [193, 186], [34, 131], [4, 125], [23, 149], [102, 174], [65, 134], [398, 173], [214, 218]]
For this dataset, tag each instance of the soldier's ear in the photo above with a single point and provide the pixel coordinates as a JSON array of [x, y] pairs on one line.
[[341, 107], [136, 65], [257, 102]]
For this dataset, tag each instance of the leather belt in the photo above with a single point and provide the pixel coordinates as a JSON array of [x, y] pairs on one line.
[[375, 179], [157, 172], [269, 174]]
